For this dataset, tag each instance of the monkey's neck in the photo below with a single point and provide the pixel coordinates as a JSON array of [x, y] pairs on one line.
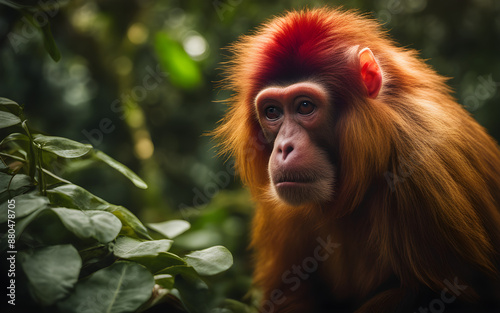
[[356, 268]]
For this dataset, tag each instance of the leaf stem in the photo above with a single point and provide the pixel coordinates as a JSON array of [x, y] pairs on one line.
[[31, 157]]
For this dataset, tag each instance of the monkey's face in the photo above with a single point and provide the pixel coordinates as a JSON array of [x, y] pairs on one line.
[[296, 119]]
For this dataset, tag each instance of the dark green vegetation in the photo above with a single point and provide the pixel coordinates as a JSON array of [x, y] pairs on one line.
[[76, 252]]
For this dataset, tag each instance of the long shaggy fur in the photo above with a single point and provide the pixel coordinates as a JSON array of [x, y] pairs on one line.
[[417, 192]]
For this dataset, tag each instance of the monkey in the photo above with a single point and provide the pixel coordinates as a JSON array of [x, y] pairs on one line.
[[375, 190]]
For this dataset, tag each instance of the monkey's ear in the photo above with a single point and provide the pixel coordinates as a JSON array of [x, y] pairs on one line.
[[370, 72]]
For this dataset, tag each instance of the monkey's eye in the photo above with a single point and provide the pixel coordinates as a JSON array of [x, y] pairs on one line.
[[306, 107], [272, 113]]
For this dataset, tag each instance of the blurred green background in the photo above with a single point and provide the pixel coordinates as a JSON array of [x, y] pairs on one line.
[[137, 79]]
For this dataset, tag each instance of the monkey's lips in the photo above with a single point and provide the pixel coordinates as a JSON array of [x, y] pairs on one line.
[[286, 184], [293, 183], [292, 180], [294, 189], [299, 188]]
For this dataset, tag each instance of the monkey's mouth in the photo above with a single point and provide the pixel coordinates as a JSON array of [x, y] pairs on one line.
[[295, 190], [301, 187], [291, 179]]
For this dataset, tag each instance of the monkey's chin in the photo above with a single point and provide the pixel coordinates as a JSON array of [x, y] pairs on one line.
[[302, 193]]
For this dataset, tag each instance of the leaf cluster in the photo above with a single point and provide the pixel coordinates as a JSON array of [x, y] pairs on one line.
[[79, 253]]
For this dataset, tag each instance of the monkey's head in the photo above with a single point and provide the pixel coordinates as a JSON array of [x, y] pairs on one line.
[[302, 85]]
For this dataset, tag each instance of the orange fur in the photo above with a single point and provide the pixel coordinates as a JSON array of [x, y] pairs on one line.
[[439, 220]]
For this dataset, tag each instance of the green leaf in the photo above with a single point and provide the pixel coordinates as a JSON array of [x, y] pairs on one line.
[[165, 280], [183, 71], [20, 181], [100, 225], [4, 168], [24, 205], [48, 40], [19, 4], [15, 137], [96, 253], [53, 178], [8, 102], [152, 254], [27, 207], [73, 196], [49, 43], [25, 221], [127, 247], [210, 261], [13, 186], [51, 271], [132, 226], [8, 119], [21, 225], [157, 264], [9, 182], [11, 106], [138, 182], [44, 227], [122, 287], [170, 229], [63, 147]]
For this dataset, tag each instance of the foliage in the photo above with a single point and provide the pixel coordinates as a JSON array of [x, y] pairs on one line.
[[80, 253]]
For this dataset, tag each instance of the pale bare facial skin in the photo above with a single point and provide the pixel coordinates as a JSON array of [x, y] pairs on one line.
[[295, 119]]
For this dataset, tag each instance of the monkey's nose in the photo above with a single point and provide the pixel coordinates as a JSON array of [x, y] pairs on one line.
[[285, 150]]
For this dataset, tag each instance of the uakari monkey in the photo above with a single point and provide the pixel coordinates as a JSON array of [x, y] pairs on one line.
[[375, 190]]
